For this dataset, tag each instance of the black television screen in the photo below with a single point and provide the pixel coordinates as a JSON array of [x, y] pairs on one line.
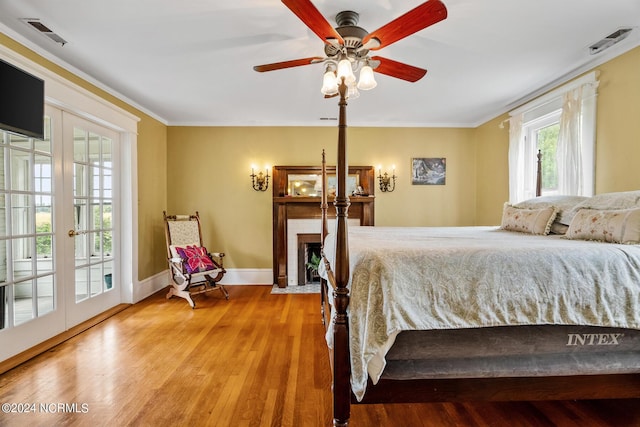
[[21, 102]]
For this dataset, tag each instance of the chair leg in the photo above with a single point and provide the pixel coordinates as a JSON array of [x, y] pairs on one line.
[[224, 292], [182, 290], [212, 283], [173, 291]]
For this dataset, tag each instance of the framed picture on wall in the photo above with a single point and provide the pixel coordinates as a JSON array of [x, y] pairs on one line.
[[428, 171]]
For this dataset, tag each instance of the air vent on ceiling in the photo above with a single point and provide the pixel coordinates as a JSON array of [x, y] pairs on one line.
[[43, 29], [609, 41]]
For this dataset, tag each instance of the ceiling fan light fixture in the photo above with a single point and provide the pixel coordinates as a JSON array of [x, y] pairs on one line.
[[367, 81], [347, 46], [345, 71], [329, 83], [352, 91]]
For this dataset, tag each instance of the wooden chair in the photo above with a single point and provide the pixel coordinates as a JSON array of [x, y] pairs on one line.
[[192, 268]]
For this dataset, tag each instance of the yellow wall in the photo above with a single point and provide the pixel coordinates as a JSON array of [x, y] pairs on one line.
[[419, 205], [618, 126], [152, 197], [209, 171], [492, 178], [152, 174]]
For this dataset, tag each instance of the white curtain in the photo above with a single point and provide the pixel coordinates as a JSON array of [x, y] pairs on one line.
[[516, 159], [576, 141], [569, 149]]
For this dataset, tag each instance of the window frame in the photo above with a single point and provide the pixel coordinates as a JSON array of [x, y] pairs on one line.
[[530, 130]]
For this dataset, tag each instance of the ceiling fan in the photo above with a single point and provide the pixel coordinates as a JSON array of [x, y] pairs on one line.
[[349, 42]]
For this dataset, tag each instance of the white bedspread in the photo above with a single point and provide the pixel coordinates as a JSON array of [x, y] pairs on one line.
[[407, 278]]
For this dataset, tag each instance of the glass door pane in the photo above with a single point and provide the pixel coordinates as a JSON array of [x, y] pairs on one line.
[[92, 205], [91, 178]]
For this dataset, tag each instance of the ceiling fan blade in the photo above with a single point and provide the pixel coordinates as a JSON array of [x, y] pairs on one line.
[[398, 69], [307, 12], [287, 64], [411, 22]]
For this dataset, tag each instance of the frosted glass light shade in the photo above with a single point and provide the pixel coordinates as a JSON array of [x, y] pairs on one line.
[[329, 83], [352, 91], [345, 70], [367, 81]]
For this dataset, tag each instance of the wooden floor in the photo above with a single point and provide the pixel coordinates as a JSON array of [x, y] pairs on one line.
[[255, 360]]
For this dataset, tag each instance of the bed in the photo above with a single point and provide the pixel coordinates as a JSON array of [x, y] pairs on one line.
[[544, 306]]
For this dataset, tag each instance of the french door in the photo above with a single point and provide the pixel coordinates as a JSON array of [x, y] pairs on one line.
[[59, 240], [90, 251]]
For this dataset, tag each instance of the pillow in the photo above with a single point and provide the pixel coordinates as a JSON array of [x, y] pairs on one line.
[[563, 204], [609, 201], [196, 259], [174, 248], [534, 221], [614, 226]]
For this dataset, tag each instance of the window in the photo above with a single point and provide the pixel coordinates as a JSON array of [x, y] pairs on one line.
[[542, 135], [561, 125]]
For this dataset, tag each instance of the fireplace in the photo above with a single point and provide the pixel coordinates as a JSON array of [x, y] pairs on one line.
[[296, 211], [302, 233]]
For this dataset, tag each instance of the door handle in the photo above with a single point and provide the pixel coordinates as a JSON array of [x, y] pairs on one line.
[[73, 233]]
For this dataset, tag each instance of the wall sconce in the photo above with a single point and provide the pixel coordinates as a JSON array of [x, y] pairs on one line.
[[259, 182], [387, 183]]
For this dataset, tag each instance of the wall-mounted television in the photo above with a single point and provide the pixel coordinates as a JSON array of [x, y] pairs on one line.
[[21, 102]]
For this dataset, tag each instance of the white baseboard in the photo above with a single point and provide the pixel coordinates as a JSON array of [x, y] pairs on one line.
[[248, 276], [150, 286], [234, 276]]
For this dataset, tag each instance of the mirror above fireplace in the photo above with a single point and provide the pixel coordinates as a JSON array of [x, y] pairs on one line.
[[310, 185]]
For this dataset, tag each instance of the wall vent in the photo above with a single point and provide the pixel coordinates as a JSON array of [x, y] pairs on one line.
[[43, 29], [609, 41]]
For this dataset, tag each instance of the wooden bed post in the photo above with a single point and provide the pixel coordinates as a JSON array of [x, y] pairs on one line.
[[324, 230], [341, 359], [539, 174]]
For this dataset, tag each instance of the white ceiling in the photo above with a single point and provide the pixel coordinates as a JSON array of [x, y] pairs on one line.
[[190, 62]]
